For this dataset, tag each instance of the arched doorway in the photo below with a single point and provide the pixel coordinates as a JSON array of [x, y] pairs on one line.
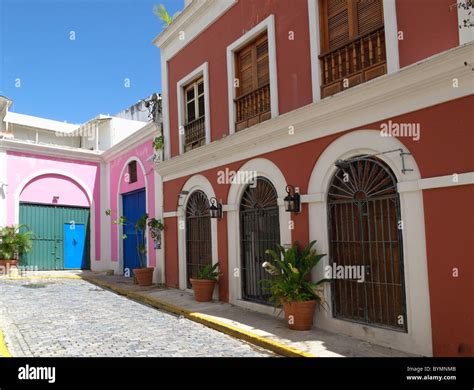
[[365, 235], [198, 234], [259, 231]]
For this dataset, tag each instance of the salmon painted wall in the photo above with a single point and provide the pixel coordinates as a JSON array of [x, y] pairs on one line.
[[33, 174], [119, 184], [444, 148], [293, 58], [449, 218], [428, 28]]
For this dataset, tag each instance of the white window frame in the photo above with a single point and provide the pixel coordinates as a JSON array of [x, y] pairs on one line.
[[193, 85], [391, 42], [267, 25], [201, 71]]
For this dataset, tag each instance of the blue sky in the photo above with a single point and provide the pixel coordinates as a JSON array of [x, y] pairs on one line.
[[75, 80]]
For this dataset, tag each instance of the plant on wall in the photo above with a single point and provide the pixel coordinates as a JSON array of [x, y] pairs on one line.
[[158, 143]]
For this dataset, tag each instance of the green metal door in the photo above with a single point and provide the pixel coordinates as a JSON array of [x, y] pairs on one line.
[[47, 226]]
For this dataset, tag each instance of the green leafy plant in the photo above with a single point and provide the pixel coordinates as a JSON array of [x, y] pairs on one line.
[[291, 271], [154, 223], [158, 142], [13, 243], [140, 229], [162, 14], [209, 272]]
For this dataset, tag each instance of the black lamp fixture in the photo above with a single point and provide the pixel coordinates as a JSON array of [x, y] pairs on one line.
[[292, 200], [215, 208]]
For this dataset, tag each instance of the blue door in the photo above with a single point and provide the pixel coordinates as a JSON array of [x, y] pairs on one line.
[[134, 206], [74, 246]]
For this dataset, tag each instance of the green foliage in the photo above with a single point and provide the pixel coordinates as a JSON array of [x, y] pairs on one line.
[[209, 272], [162, 14], [154, 223], [291, 274], [158, 142], [14, 243]]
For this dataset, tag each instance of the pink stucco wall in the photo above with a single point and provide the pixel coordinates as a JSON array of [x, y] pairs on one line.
[[119, 185], [37, 178], [54, 189]]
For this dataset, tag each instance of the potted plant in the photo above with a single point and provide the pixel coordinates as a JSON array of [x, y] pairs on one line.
[[291, 286], [13, 244], [143, 275], [205, 282]]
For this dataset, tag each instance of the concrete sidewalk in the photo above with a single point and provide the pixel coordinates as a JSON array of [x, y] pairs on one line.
[[264, 330]]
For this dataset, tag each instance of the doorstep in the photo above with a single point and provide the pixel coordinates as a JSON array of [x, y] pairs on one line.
[[268, 331]]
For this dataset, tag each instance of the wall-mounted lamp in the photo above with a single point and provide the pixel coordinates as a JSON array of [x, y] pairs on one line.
[[215, 208], [344, 164], [292, 200]]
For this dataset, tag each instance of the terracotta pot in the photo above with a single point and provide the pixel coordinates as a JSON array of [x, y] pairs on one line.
[[144, 276], [8, 263], [299, 315], [203, 289]]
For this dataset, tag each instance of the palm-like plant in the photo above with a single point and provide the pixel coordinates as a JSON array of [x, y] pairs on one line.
[[13, 243], [290, 270], [162, 14]]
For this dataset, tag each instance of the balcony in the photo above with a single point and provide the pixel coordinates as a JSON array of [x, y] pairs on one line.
[[362, 59], [194, 134], [253, 107]]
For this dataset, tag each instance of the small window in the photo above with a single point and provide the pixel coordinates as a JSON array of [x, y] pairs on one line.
[[132, 171], [194, 100], [194, 126]]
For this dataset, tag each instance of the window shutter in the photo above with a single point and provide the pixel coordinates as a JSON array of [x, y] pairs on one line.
[[369, 15], [252, 66], [245, 73], [263, 74], [337, 23]]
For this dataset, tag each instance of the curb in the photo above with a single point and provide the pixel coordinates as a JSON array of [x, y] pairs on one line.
[[42, 277], [206, 320], [4, 352]]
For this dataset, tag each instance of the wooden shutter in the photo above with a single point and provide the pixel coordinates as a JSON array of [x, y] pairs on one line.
[[252, 66], [369, 15], [344, 20]]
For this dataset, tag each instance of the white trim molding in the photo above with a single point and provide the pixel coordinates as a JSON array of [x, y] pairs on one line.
[[263, 168], [194, 183], [200, 71], [268, 25], [466, 34], [418, 339], [3, 187], [391, 35]]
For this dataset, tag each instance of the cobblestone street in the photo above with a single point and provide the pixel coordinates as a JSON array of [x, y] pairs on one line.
[[71, 317]]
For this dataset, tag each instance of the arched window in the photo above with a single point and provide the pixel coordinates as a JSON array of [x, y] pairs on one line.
[[365, 238], [198, 234], [259, 231]]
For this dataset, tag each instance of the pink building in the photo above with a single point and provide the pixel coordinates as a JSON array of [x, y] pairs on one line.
[[59, 179]]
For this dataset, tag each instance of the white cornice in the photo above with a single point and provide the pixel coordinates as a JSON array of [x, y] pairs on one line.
[[128, 143], [50, 150], [191, 21], [415, 87]]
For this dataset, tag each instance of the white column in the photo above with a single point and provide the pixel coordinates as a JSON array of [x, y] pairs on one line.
[[3, 187]]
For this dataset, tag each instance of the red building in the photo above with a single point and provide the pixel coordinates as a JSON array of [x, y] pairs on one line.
[[259, 95]]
